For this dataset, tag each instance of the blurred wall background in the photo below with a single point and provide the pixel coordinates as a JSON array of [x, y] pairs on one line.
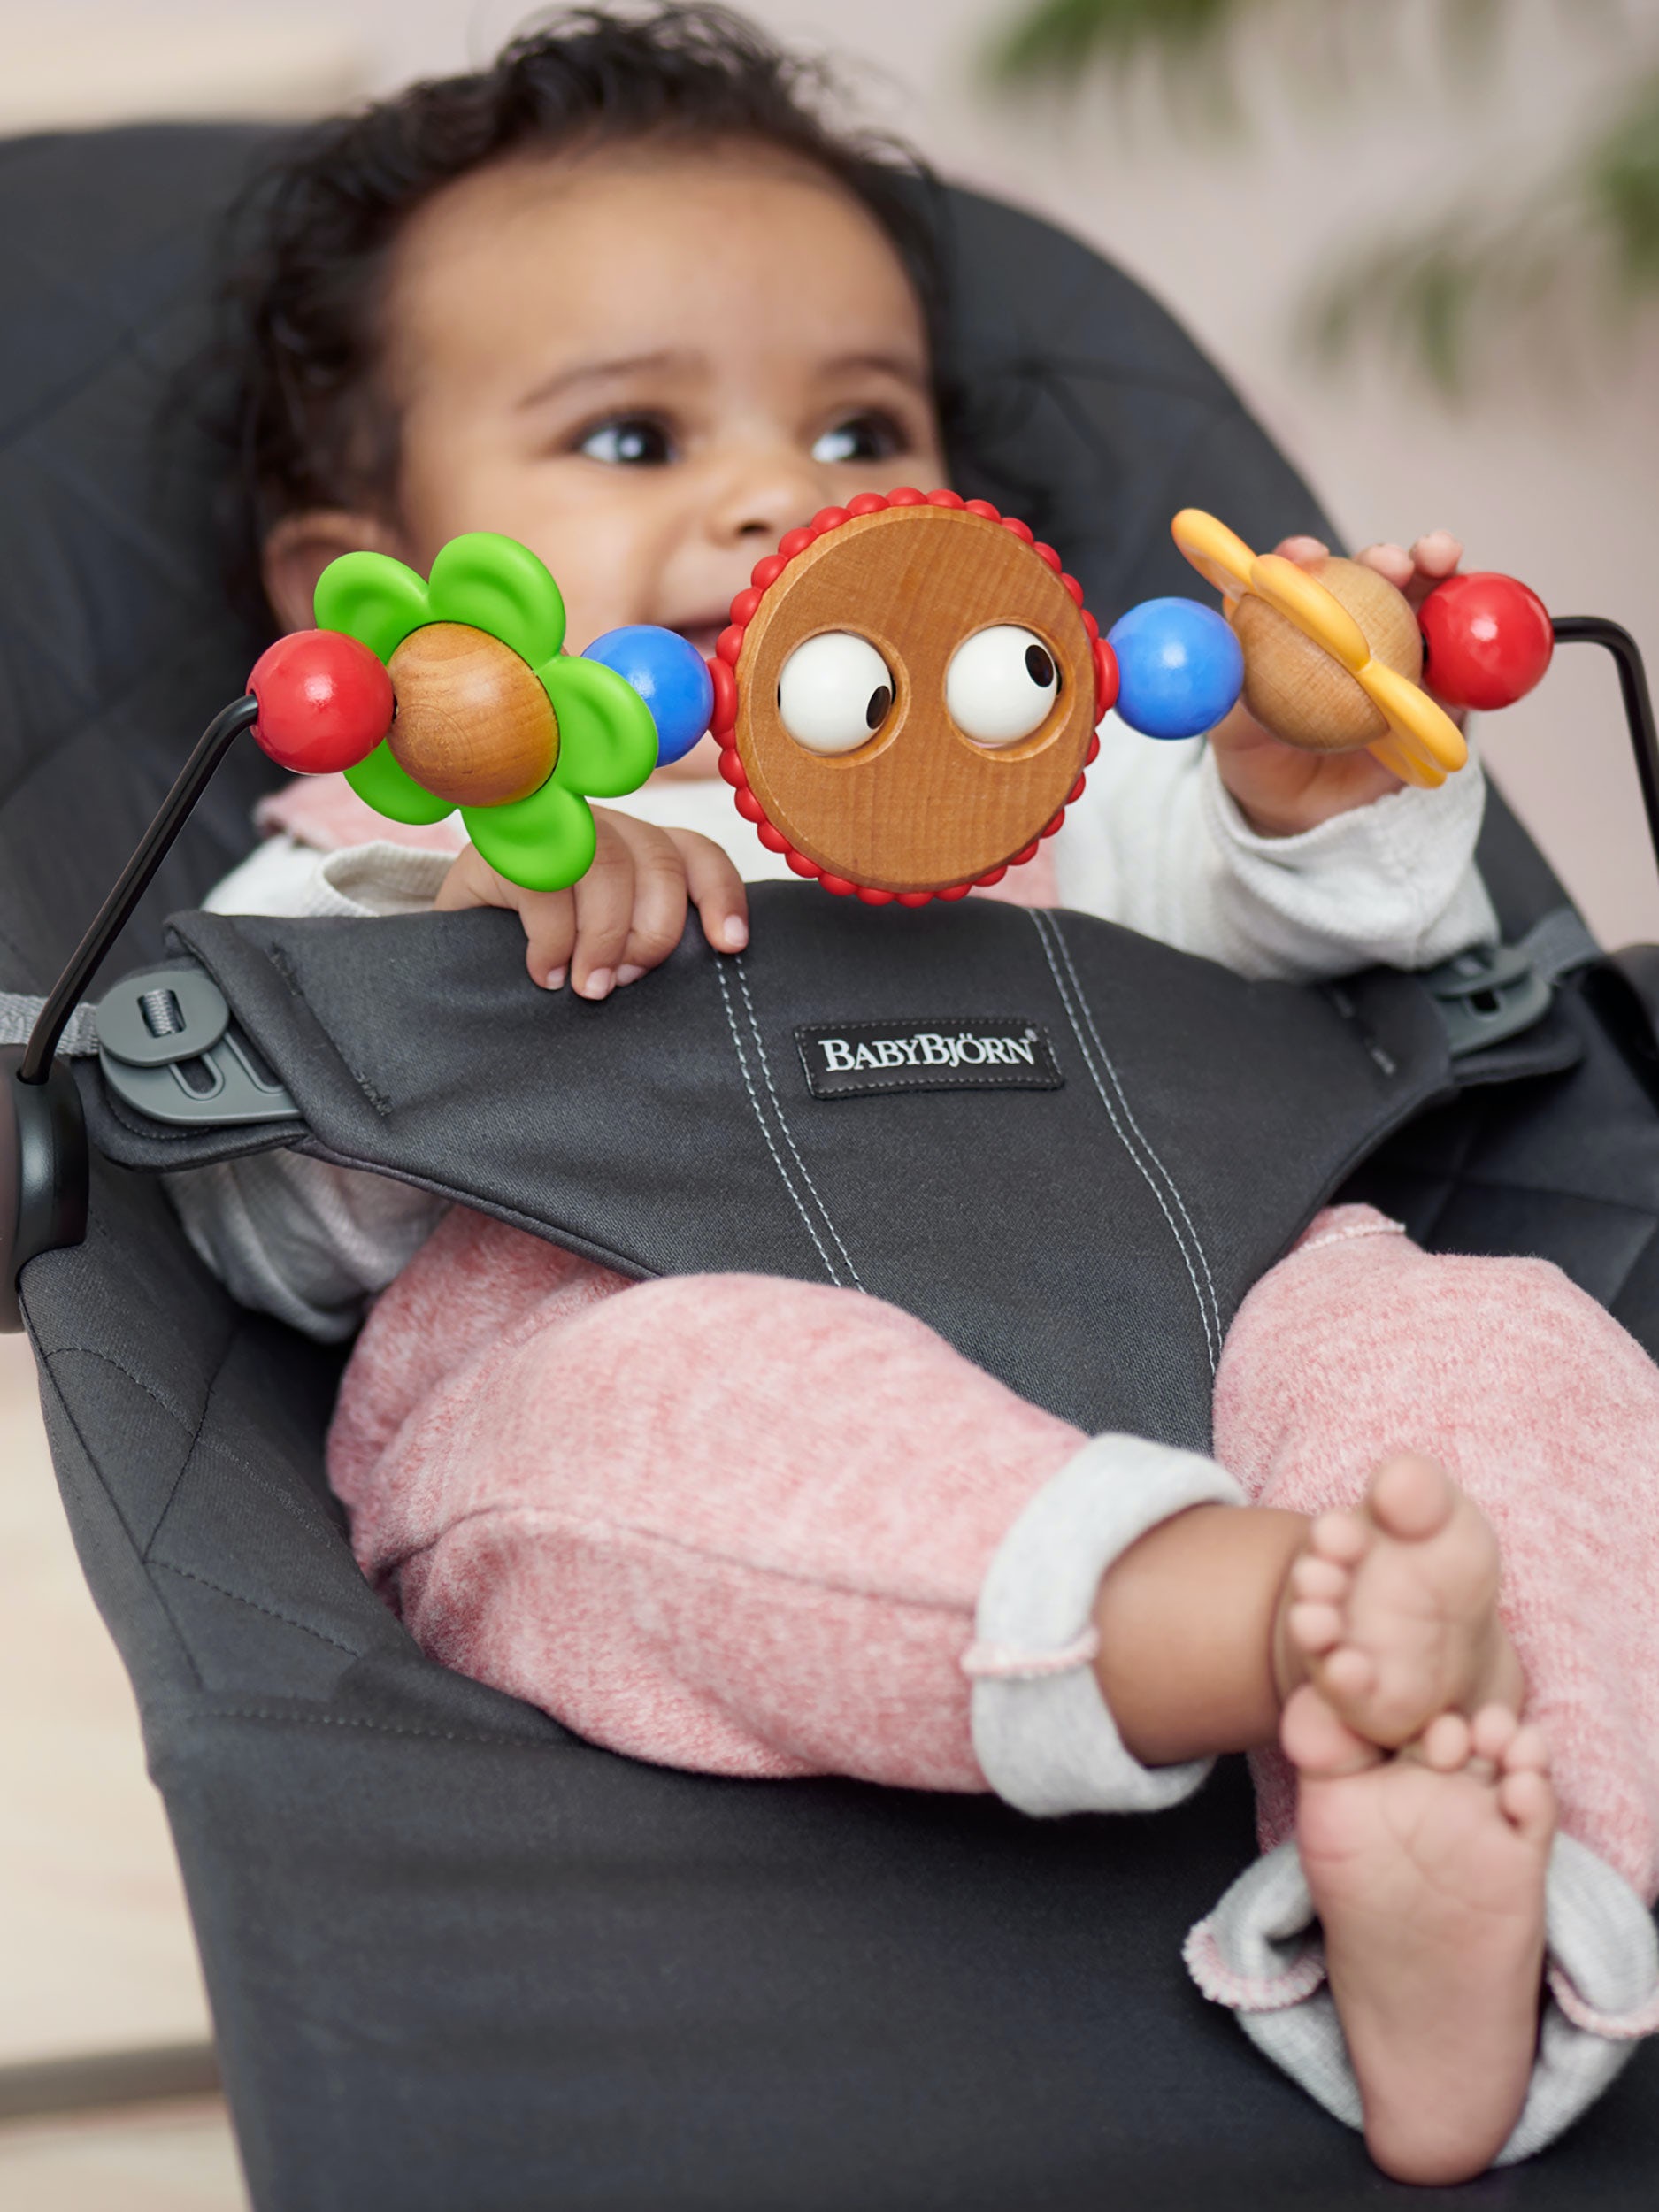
[[1549, 469]]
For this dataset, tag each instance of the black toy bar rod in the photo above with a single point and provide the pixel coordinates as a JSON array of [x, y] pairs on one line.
[[1595, 629], [197, 772]]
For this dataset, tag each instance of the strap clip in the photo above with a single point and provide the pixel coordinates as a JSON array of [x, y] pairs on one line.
[[167, 1046]]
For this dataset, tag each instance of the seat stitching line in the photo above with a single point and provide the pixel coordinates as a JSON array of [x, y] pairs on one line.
[[246, 1468], [1168, 1181], [289, 1620], [94, 1464], [232, 1336], [385, 1728], [777, 1158], [772, 1088], [1181, 1242]]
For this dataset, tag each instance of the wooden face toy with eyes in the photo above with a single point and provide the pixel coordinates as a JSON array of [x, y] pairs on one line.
[[916, 688]]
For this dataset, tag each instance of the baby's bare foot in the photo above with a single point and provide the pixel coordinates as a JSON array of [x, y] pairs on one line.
[[1391, 1611], [1427, 1869]]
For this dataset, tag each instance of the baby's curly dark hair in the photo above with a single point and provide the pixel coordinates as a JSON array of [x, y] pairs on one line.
[[296, 408]]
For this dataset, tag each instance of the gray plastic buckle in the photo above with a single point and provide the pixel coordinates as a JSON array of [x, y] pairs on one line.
[[166, 1047], [1487, 996]]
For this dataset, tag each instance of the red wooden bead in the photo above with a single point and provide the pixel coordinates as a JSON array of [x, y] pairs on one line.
[[983, 507], [1076, 792], [793, 542], [914, 898], [748, 806], [956, 891], [1049, 828], [1021, 530], [724, 715], [729, 644], [1093, 754], [732, 768], [1047, 554], [1090, 626], [802, 866], [770, 838], [867, 503], [995, 875], [1026, 853], [1486, 640], [325, 700], [1074, 588], [1105, 682], [838, 885], [944, 499], [766, 571], [874, 898], [744, 607], [827, 519], [907, 495]]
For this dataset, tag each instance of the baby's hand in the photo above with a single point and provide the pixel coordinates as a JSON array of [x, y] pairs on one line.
[[1281, 790], [627, 914]]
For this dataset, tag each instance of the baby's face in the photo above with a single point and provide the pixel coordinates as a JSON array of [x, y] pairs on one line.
[[647, 366]]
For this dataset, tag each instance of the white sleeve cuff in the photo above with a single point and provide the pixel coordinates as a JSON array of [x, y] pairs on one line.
[[1043, 1734], [1393, 882], [361, 883]]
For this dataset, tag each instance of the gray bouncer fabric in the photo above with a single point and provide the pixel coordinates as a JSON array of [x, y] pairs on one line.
[[457, 1957]]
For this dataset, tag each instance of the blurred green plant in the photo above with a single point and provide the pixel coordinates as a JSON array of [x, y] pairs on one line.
[[1588, 230]]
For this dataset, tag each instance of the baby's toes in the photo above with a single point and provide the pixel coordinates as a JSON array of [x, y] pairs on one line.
[[1341, 1538], [1528, 1802], [1318, 1743], [1314, 1629], [1348, 1674], [1319, 1581], [1445, 1744], [1412, 1498], [1493, 1731], [1528, 1751]]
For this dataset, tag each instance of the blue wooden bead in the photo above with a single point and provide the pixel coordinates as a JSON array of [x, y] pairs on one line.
[[670, 675], [1179, 667]]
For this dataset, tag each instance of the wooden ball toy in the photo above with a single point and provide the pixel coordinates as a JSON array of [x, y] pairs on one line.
[[474, 725], [1332, 653], [1302, 693], [916, 687], [493, 716]]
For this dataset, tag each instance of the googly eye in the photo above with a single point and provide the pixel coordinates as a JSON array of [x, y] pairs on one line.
[[834, 693], [1000, 684]]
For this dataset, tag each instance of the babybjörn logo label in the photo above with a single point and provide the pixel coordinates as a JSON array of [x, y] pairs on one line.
[[954, 1052]]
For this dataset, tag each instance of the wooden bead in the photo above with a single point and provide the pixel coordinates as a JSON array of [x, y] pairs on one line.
[[914, 805], [473, 725], [1296, 690]]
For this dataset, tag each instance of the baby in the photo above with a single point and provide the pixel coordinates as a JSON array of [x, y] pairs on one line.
[[623, 296]]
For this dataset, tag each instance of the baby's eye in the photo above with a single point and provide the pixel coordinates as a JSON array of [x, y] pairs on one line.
[[834, 693], [629, 441], [1001, 685], [869, 435]]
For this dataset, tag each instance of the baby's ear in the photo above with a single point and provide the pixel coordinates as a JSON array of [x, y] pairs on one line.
[[298, 548]]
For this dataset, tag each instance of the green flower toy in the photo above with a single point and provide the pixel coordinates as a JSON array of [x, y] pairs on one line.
[[492, 716]]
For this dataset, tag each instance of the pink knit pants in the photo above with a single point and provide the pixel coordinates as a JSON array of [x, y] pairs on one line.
[[741, 1524]]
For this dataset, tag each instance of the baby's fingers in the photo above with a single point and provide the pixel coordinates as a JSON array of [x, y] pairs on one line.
[[1302, 549], [604, 913], [1437, 555], [716, 890], [550, 931], [1391, 561]]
